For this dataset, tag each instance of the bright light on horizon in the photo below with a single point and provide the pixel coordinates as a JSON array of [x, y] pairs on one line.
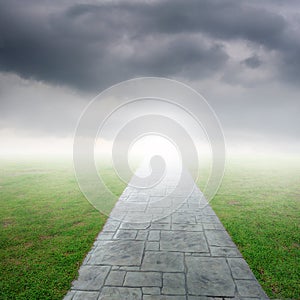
[[18, 144]]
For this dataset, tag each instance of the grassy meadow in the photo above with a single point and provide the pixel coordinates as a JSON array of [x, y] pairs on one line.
[[47, 226], [259, 204]]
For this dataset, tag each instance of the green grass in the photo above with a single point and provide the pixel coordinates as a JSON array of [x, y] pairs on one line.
[[47, 226], [259, 204]]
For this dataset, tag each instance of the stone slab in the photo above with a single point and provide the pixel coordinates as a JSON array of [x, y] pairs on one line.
[[187, 241], [91, 278], [118, 252], [174, 284], [142, 279], [120, 293], [163, 261], [208, 276]]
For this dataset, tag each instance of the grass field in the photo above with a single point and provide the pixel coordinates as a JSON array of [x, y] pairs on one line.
[[47, 226], [259, 204]]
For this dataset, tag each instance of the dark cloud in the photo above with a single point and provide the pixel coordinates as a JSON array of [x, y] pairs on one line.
[[90, 46], [252, 62], [243, 56]]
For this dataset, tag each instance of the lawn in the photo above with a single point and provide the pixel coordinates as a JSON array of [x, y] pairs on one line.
[[259, 204], [47, 226]]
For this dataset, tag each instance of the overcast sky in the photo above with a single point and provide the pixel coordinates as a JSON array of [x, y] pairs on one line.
[[242, 56]]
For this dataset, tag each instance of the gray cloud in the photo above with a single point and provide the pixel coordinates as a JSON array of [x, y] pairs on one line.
[[244, 57], [252, 62], [90, 46]]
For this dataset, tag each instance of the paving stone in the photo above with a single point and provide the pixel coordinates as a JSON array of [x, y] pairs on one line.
[[129, 268], [187, 227], [151, 290], [105, 236], [225, 251], [163, 261], [87, 258], [240, 269], [98, 243], [126, 225], [128, 190], [208, 211], [166, 226], [132, 207], [181, 193], [140, 279], [115, 278], [154, 235], [91, 278], [250, 288], [194, 205], [208, 219], [205, 298], [209, 276], [163, 297], [183, 241], [152, 246], [156, 211], [219, 238], [174, 284], [117, 214], [142, 235], [118, 252], [159, 202], [137, 217], [124, 234], [111, 225], [202, 254], [182, 205], [215, 226], [163, 220], [120, 293], [157, 193], [86, 296], [183, 218], [138, 198]]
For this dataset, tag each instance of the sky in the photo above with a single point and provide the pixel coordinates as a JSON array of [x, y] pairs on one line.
[[242, 56]]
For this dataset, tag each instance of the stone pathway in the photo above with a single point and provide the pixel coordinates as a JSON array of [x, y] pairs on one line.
[[155, 247]]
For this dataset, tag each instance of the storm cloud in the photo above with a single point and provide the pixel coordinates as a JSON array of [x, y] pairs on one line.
[[91, 46], [243, 56]]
